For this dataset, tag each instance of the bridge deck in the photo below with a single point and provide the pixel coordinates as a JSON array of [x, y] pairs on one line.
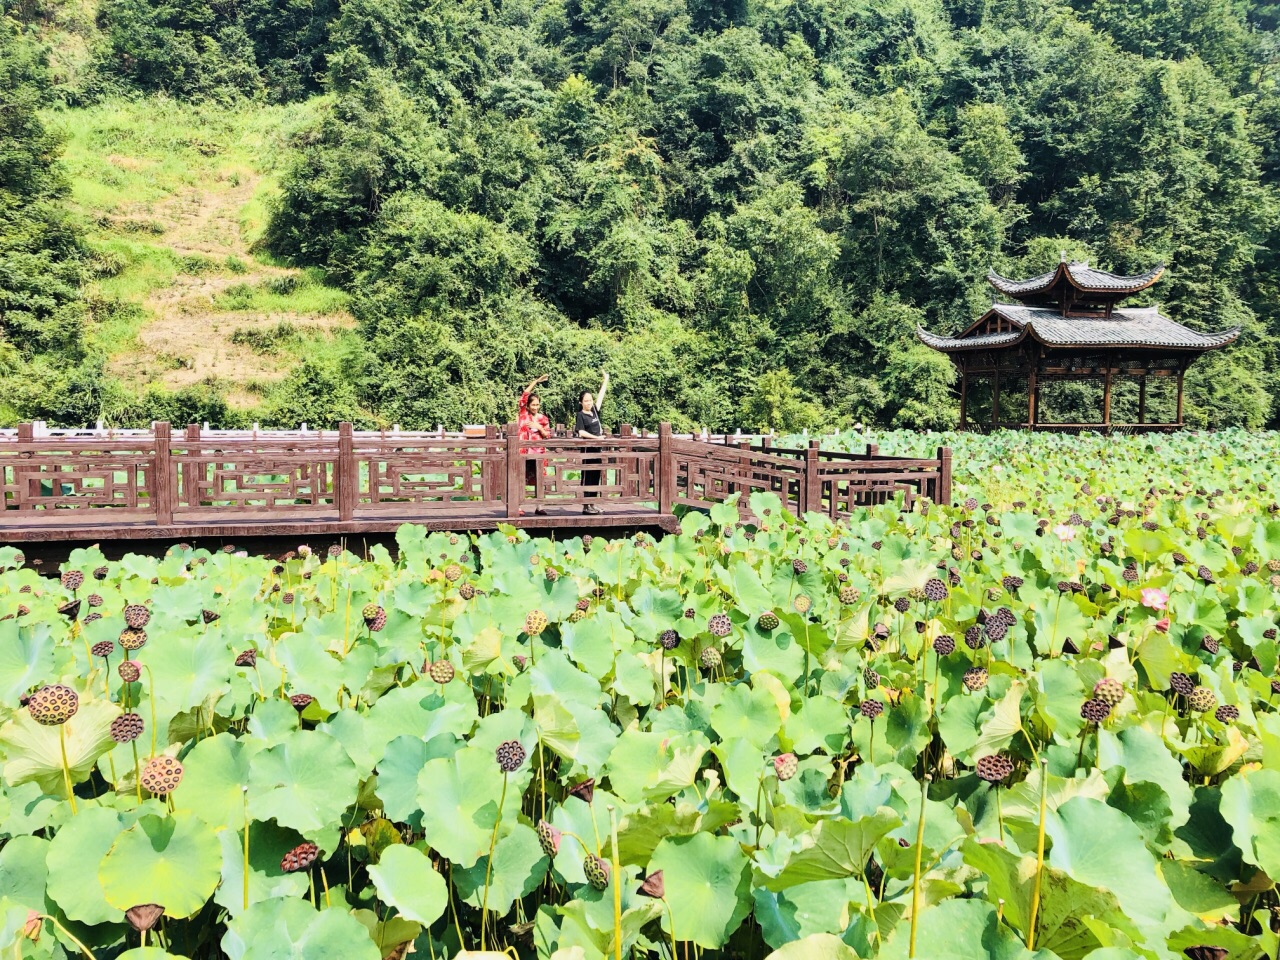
[[158, 485]]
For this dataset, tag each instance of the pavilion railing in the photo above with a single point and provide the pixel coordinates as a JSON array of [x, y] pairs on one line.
[[163, 478]]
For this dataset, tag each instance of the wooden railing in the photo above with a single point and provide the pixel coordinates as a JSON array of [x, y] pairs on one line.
[[161, 482]]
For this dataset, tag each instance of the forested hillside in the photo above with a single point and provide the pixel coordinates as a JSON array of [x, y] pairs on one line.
[[741, 209]]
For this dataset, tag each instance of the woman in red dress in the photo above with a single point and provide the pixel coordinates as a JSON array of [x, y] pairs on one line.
[[533, 425]]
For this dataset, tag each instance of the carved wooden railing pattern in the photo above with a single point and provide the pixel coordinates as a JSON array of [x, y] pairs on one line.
[[161, 480]]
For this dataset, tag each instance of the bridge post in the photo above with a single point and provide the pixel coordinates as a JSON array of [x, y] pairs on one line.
[[666, 476], [944, 477], [162, 473], [347, 475], [515, 471], [812, 496], [488, 488]]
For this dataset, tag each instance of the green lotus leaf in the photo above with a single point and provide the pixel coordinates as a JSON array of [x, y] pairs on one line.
[[294, 930], [83, 841], [650, 766], [1251, 805], [148, 953], [268, 843], [816, 946], [1099, 846], [215, 773], [836, 849], [33, 754], [960, 930], [749, 714], [519, 865], [24, 871], [173, 861], [462, 793], [26, 657], [305, 781], [398, 773], [406, 880], [187, 670], [707, 887]]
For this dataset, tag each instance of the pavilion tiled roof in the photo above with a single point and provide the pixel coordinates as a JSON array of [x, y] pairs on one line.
[[1137, 327], [1079, 275]]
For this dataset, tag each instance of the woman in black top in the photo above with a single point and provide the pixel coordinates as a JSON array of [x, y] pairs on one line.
[[587, 425]]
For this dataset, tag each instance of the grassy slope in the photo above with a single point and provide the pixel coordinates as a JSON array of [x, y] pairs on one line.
[[175, 196]]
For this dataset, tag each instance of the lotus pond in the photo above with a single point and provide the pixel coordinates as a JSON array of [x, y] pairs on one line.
[[1039, 722]]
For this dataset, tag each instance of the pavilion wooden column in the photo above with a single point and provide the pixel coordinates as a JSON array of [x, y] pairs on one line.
[[1182, 369], [1142, 399], [964, 394], [1106, 394], [995, 399], [1032, 387]]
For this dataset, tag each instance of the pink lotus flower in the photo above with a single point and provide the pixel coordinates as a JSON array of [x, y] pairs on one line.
[[1064, 532], [1163, 625], [1155, 598]]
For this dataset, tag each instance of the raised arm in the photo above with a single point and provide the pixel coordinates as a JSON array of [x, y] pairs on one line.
[[533, 383], [604, 386]]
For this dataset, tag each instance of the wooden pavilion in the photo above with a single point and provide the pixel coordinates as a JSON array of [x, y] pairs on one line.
[[1066, 326]]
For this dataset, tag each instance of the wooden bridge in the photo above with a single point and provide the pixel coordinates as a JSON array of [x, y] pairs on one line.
[[158, 483]]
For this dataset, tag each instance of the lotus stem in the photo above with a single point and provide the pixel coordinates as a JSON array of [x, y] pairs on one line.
[[915, 876], [137, 770], [70, 936], [1035, 886], [488, 867], [871, 907], [151, 690], [324, 882], [617, 884], [66, 769], [759, 815], [244, 795], [671, 917], [999, 814]]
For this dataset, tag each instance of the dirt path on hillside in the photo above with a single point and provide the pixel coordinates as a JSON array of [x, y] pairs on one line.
[[188, 339]]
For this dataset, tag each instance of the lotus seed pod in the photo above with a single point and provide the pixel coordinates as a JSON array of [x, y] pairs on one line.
[[597, 871], [301, 701], [100, 573], [126, 728], [719, 625], [208, 616], [535, 621], [1227, 713], [137, 616], [299, 858], [654, 886], [94, 600], [466, 591], [133, 638], [129, 670], [1202, 700], [799, 566], [453, 573], [375, 618], [103, 648], [584, 791], [92, 617], [767, 621], [935, 590], [785, 766], [669, 640], [994, 768], [975, 678], [53, 704], [144, 916], [902, 604], [510, 755], [944, 645], [711, 658], [848, 595], [1181, 683], [548, 838], [1011, 583], [801, 604], [871, 708], [441, 671], [161, 775], [521, 661], [1095, 710], [1109, 690], [72, 579], [247, 658]]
